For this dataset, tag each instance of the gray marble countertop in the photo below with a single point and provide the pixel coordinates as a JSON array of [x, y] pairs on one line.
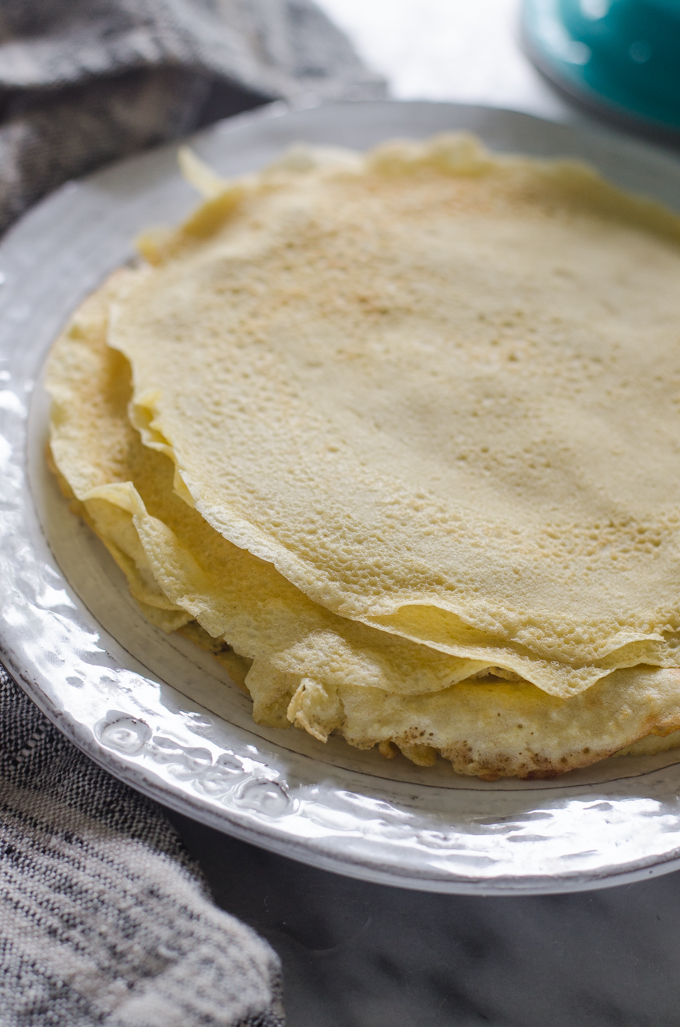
[[363, 955]]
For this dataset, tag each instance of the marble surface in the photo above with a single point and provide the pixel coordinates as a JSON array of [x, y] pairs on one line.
[[362, 955], [448, 50]]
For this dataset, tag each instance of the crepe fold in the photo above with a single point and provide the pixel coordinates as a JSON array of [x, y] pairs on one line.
[[396, 437]]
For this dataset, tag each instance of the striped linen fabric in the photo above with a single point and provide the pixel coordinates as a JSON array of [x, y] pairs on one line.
[[88, 81], [104, 918]]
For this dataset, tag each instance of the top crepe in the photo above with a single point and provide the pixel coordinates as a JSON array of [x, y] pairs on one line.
[[439, 391]]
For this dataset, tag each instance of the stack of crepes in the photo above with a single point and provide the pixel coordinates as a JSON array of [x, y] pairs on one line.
[[397, 436]]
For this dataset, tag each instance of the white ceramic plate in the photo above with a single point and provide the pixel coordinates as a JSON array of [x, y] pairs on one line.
[[160, 714]]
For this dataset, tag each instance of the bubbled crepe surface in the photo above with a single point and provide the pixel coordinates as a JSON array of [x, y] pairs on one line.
[[313, 340], [439, 392]]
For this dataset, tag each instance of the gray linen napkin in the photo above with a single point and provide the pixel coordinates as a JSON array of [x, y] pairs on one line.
[[86, 81], [104, 919]]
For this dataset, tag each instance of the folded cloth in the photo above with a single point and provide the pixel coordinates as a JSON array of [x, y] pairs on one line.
[[86, 81], [104, 919]]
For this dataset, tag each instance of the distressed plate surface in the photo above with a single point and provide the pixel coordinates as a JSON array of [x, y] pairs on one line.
[[160, 714]]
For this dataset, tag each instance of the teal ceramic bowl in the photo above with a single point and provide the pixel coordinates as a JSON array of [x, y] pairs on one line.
[[619, 56]]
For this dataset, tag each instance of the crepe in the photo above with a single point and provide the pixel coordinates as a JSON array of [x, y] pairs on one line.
[[178, 567], [438, 391], [299, 661]]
